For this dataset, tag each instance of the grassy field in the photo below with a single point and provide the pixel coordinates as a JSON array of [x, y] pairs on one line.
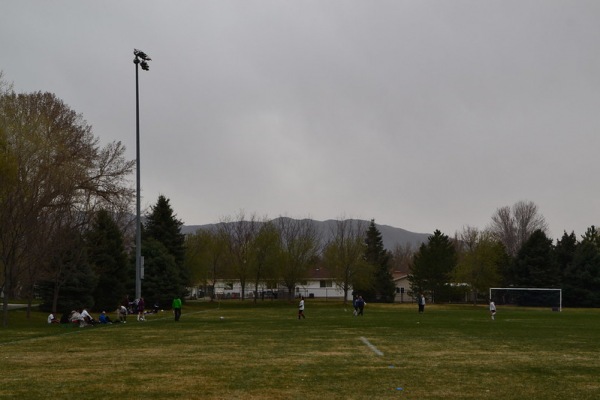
[[263, 352]]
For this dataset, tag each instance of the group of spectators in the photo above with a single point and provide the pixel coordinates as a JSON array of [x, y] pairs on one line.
[[80, 318], [83, 318]]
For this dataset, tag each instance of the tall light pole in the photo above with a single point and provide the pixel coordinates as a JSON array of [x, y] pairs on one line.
[[141, 59]]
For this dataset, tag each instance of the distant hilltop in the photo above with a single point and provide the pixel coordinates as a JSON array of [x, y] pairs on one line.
[[391, 236]]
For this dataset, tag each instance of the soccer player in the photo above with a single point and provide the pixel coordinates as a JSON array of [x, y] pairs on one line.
[[176, 305], [140, 309], [301, 308], [492, 309], [122, 312], [360, 304]]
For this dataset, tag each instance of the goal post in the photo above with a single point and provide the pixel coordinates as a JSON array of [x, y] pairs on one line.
[[528, 296]]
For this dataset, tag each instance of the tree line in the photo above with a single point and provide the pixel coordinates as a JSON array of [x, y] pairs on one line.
[[255, 252], [514, 251], [66, 234]]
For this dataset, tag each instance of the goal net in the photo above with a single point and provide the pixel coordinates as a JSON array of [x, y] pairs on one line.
[[529, 297]]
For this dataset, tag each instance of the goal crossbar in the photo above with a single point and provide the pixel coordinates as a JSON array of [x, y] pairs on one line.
[[534, 289]]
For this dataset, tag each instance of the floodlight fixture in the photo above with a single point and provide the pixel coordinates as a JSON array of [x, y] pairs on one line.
[[141, 54]]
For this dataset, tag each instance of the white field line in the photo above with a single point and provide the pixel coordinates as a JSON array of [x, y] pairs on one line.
[[375, 349]]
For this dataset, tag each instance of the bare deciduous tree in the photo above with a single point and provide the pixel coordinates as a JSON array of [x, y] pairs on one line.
[[207, 255], [265, 254], [467, 238], [345, 254], [300, 245], [51, 165], [240, 235], [513, 226], [402, 257], [479, 260]]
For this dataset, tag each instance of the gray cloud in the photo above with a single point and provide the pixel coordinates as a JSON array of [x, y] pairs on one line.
[[421, 114]]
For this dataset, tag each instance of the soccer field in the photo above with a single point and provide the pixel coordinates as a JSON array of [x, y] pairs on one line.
[[264, 352]]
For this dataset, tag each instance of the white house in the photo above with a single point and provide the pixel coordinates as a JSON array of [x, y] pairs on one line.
[[403, 292], [318, 284]]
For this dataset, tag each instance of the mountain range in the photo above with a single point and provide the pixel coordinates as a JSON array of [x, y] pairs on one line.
[[391, 236]]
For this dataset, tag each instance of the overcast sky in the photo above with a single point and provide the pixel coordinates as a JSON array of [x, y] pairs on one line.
[[420, 114]]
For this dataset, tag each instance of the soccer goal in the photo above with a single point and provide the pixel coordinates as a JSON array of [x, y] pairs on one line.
[[530, 297]]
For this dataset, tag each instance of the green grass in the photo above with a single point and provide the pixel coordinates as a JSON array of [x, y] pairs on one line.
[[263, 352]]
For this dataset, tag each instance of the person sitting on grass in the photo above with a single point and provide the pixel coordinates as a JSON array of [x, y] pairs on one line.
[[65, 318], [104, 318], [77, 319], [87, 317], [52, 319]]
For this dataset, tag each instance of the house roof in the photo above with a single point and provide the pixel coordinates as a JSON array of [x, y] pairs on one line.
[[399, 276], [319, 273]]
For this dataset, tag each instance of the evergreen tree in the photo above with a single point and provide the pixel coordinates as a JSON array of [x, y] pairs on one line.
[[581, 285], [161, 274], [162, 227], [565, 252], [432, 266], [535, 267], [376, 255], [106, 253], [74, 282], [78, 289], [535, 264]]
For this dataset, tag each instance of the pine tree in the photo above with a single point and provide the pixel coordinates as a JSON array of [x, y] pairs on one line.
[[581, 285], [161, 275], [162, 225], [535, 267], [106, 253], [565, 252], [535, 264], [71, 280], [376, 255], [432, 266], [163, 247]]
